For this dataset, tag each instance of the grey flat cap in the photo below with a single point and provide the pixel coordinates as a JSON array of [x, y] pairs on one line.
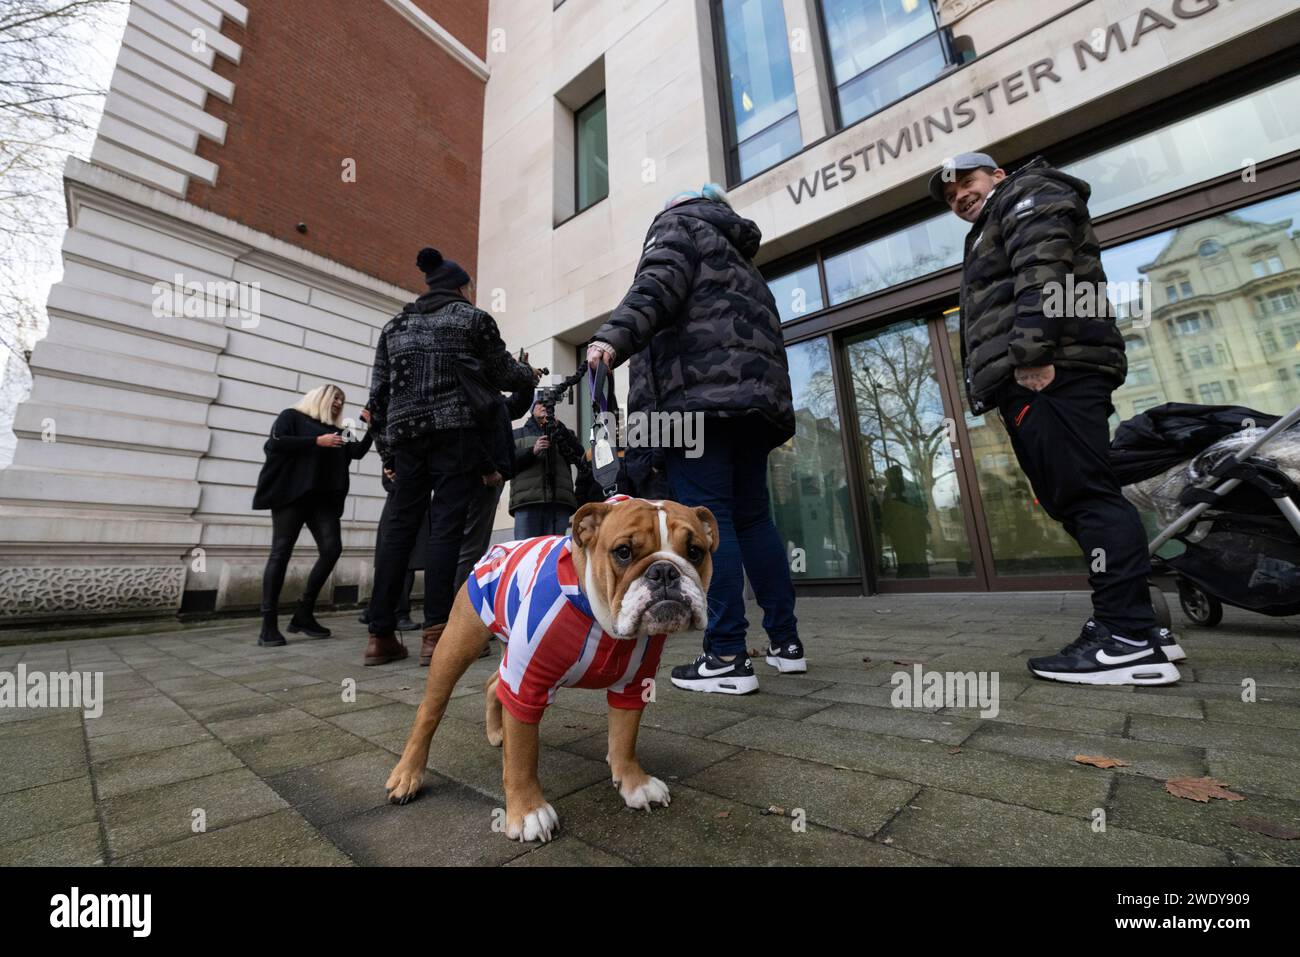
[[959, 164]]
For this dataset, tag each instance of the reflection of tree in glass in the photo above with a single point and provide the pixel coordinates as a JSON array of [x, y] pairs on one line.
[[900, 409]]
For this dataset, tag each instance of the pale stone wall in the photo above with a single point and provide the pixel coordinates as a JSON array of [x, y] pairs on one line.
[[140, 446]]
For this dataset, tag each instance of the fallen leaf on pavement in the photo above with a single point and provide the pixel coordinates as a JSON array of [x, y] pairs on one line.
[[1201, 789], [1268, 828], [773, 809], [954, 750], [1099, 762], [723, 814]]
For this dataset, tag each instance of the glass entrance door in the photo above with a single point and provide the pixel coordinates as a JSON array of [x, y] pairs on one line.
[[1018, 537], [905, 432]]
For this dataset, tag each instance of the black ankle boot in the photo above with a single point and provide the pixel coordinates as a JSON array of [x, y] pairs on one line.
[[304, 621], [270, 636]]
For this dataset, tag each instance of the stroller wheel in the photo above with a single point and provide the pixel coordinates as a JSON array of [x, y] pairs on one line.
[[1161, 607], [1202, 608]]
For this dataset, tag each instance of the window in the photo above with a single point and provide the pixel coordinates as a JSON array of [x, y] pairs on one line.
[[1205, 356], [807, 477], [1185, 288], [1258, 268], [1171, 293], [1274, 264], [1209, 247], [797, 293], [1261, 124], [1281, 300], [915, 251], [764, 119], [1212, 394], [1134, 343], [591, 147], [880, 51]]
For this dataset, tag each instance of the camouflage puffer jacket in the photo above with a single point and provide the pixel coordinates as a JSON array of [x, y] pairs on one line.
[[1033, 232], [708, 321]]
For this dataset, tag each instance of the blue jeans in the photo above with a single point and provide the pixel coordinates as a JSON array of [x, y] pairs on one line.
[[730, 479], [532, 521]]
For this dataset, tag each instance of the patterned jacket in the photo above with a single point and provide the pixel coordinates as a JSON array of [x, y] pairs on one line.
[[1033, 233], [414, 389], [708, 321]]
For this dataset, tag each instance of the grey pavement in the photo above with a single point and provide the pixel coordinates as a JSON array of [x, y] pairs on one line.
[[212, 751]]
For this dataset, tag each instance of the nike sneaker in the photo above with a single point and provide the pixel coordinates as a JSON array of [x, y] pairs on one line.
[[787, 657], [710, 673], [1099, 657]]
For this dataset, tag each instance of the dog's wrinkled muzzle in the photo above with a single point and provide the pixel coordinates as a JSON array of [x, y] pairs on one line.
[[668, 605]]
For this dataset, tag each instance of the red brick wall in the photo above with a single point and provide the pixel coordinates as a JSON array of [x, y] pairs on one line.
[[324, 80]]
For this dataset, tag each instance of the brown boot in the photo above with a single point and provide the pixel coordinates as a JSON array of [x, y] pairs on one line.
[[384, 648], [431, 636]]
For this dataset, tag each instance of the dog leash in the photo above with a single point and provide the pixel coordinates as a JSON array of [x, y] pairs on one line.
[[604, 457]]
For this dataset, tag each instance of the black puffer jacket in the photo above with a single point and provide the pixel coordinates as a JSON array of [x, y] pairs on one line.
[[1033, 232], [707, 319], [296, 465]]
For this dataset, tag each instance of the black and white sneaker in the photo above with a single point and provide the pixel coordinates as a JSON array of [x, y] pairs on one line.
[[1170, 646], [710, 673], [1098, 657], [788, 658]]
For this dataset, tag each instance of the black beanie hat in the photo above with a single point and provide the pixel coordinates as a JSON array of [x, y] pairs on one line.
[[440, 273]]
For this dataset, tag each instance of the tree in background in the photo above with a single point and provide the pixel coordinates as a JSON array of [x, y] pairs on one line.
[[54, 61]]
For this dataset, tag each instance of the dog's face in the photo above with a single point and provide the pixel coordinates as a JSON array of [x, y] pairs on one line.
[[645, 566]]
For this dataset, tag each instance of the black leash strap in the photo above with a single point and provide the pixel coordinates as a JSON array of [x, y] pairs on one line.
[[604, 443]]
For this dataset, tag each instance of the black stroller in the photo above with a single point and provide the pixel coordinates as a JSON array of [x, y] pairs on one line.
[[1225, 478]]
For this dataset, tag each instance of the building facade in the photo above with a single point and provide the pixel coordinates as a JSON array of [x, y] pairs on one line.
[[265, 172], [824, 118], [263, 176]]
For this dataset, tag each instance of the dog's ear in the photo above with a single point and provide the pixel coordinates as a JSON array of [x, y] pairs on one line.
[[586, 522], [710, 526]]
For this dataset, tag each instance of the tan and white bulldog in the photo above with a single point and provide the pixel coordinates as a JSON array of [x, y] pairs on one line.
[[638, 571]]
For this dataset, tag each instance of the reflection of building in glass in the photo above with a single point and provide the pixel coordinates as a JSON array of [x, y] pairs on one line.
[[1224, 318], [809, 490]]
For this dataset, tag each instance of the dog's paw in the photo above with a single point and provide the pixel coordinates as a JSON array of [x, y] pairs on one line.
[[403, 784], [643, 796], [539, 824]]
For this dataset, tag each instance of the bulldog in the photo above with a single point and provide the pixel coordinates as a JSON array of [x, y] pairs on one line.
[[590, 609]]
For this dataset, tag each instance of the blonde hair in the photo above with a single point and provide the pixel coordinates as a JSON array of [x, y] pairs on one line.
[[318, 404]]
